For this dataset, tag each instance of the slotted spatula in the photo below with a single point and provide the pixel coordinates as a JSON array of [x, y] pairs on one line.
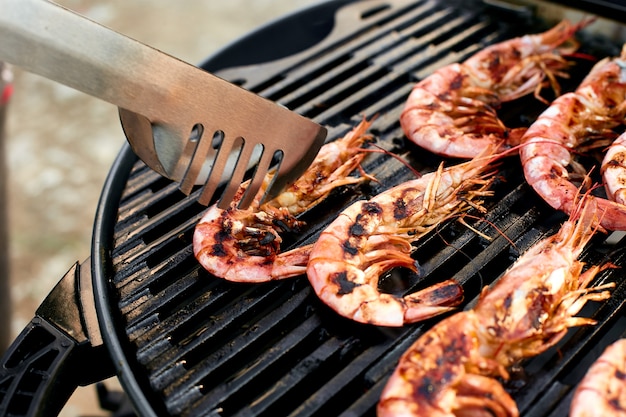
[[185, 123]]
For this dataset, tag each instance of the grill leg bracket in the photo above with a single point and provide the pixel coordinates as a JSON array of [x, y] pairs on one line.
[[54, 353]]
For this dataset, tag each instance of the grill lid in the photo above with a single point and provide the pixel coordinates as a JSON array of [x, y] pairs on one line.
[[191, 344]]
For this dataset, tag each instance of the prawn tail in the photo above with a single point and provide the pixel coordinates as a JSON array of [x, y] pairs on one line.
[[432, 301], [514, 137], [563, 32], [291, 263]]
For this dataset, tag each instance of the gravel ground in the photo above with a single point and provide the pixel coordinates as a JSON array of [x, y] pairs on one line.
[[61, 143]]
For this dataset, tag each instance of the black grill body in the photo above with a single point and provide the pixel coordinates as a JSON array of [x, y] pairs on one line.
[[203, 346]]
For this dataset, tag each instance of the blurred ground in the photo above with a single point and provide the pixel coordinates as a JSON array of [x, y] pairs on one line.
[[61, 143]]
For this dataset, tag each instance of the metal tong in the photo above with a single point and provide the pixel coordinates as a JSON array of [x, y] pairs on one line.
[[185, 123]]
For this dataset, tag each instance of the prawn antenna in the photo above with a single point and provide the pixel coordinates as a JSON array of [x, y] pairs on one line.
[[490, 223], [459, 250], [384, 151], [582, 55]]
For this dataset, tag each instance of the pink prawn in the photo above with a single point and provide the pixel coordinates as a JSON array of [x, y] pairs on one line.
[[452, 369], [453, 111], [371, 237], [583, 118]]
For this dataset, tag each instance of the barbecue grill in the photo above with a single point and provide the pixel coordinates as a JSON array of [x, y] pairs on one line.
[[184, 343]]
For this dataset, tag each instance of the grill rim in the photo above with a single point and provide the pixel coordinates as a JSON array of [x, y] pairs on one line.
[[102, 239]]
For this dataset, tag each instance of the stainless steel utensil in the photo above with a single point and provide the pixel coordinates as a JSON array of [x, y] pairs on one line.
[[185, 123]]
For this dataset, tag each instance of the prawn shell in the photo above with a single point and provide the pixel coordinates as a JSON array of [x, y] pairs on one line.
[[349, 296], [344, 265], [424, 381], [561, 194]]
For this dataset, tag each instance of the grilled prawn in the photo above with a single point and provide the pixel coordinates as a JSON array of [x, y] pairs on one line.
[[444, 374], [584, 118], [453, 111], [244, 245], [451, 369], [374, 236], [533, 304], [602, 392]]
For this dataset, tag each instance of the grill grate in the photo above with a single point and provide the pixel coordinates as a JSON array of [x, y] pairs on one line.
[[210, 347]]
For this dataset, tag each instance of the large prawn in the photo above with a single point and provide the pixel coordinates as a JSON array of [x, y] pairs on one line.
[[602, 391], [244, 245], [374, 236], [533, 304], [450, 370], [584, 118], [452, 112]]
